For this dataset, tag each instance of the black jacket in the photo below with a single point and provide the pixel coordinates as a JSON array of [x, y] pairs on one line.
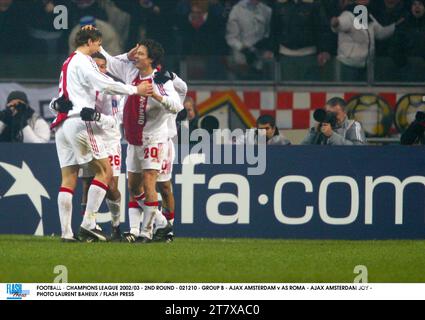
[[308, 19], [409, 40]]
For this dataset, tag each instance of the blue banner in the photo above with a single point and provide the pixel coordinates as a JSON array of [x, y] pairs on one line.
[[306, 192]]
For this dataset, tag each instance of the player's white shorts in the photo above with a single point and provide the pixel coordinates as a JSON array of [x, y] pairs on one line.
[[146, 157], [79, 142], [114, 155], [167, 167]]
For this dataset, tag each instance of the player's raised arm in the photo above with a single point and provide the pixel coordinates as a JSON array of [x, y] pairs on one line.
[[107, 85], [118, 66]]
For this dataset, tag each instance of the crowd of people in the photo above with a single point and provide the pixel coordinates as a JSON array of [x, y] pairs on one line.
[[240, 36]]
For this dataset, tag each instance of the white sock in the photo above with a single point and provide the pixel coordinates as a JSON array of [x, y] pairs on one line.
[[135, 214], [149, 211], [115, 209], [140, 199], [65, 212], [160, 220], [95, 198]]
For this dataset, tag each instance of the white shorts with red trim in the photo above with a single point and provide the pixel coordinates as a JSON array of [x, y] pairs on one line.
[[113, 150], [79, 142], [146, 157], [166, 172]]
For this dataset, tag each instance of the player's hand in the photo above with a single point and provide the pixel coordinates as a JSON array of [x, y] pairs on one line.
[[162, 77], [323, 58], [335, 22], [6, 116], [327, 129], [131, 55], [145, 89], [89, 114], [62, 105]]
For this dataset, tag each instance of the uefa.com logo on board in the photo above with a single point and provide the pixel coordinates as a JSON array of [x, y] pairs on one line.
[[14, 291]]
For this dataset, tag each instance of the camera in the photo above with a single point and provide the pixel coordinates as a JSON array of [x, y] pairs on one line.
[[20, 107], [323, 116]]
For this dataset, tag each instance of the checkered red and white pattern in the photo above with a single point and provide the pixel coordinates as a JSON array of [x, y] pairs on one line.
[[292, 110]]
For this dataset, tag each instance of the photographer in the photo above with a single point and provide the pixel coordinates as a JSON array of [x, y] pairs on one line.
[[267, 124], [415, 133], [334, 127], [19, 123]]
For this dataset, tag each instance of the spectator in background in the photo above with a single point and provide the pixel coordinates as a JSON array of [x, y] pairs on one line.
[[303, 38], [344, 132], [105, 10], [202, 37], [110, 39], [357, 46], [45, 39], [408, 49], [153, 19], [192, 113], [82, 8], [227, 8], [266, 127], [13, 28], [386, 13], [334, 8], [248, 35], [266, 124], [188, 118], [19, 123], [202, 33]]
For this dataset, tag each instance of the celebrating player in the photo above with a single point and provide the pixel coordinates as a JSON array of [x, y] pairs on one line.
[[78, 141], [108, 106], [146, 126], [163, 220]]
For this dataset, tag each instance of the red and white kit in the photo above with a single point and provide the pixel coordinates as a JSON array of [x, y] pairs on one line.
[[167, 168], [110, 106], [145, 119], [79, 142]]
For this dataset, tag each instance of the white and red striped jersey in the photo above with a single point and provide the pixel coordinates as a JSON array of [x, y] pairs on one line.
[[80, 76], [111, 108], [181, 88], [145, 119]]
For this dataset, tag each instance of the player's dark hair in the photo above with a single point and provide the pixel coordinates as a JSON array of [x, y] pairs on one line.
[[337, 101], [155, 51], [98, 55], [266, 119], [83, 36]]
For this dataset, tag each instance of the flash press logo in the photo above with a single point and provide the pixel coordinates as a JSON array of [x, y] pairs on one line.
[[26, 184], [14, 291]]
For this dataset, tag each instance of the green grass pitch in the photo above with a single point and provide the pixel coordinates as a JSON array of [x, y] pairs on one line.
[[32, 259]]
